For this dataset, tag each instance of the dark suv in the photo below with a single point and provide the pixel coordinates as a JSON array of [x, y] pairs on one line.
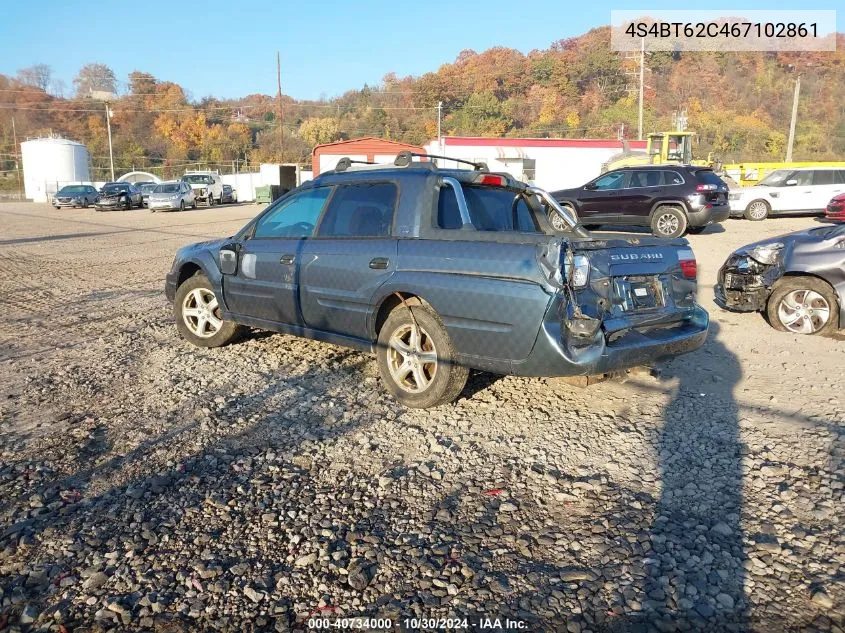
[[438, 271], [671, 199]]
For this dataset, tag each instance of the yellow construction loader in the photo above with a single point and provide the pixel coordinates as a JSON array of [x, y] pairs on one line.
[[661, 147]]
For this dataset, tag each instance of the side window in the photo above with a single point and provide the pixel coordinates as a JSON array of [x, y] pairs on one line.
[[672, 178], [645, 178], [295, 216], [823, 177], [448, 214], [613, 180], [839, 179], [804, 178], [364, 210]]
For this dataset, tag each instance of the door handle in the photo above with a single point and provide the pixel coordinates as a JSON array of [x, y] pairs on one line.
[[287, 259], [379, 263]]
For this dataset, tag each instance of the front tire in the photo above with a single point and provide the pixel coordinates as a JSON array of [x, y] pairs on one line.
[[181, 205], [416, 359], [669, 222], [198, 316], [757, 210], [803, 305], [210, 200], [127, 204]]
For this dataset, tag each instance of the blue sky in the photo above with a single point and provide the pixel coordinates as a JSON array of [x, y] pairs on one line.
[[228, 49]]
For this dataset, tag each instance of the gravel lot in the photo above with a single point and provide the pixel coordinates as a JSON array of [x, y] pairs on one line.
[[150, 485]]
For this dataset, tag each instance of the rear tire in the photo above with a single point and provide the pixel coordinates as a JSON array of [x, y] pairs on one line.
[[669, 222], [426, 373], [757, 210], [803, 305], [198, 316]]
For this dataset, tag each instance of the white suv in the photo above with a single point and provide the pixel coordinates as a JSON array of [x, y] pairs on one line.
[[207, 186], [806, 190]]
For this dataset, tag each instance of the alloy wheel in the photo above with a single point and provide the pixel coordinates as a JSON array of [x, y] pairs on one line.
[[201, 313], [667, 224], [757, 210], [411, 358], [803, 311]]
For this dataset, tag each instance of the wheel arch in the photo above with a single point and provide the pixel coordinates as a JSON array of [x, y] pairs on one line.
[[668, 203], [389, 302]]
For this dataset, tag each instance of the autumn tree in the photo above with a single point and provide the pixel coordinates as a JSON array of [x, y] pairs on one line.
[[316, 131], [94, 77], [38, 76]]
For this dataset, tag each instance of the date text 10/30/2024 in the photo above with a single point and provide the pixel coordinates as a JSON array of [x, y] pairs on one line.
[[386, 624]]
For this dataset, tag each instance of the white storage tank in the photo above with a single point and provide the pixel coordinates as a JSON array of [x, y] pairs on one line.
[[51, 163]]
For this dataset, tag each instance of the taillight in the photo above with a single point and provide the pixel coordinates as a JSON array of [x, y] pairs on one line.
[[578, 273], [686, 259], [491, 179], [706, 188]]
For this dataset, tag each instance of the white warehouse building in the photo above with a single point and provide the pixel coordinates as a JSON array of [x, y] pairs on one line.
[[51, 163], [549, 163]]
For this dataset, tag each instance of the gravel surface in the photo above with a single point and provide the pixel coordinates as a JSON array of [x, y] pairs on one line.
[[150, 485]]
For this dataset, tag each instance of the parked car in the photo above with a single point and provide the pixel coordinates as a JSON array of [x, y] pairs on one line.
[[172, 196], [75, 196], [438, 271], [119, 195], [671, 199], [797, 280], [835, 209], [146, 189], [229, 194], [788, 191], [207, 186]]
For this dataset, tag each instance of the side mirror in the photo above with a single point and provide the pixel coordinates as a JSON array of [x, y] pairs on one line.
[[228, 260], [591, 186], [791, 183]]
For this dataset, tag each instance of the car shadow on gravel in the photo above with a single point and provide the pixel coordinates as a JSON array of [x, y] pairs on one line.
[[696, 572]]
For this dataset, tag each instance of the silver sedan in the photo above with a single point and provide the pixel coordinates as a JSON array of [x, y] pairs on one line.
[[172, 196]]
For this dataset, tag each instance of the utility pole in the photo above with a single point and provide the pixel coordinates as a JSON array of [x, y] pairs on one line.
[[279, 97], [439, 115], [17, 158], [108, 126], [792, 122], [642, 80]]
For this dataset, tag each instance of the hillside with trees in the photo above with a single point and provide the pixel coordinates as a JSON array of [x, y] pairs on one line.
[[738, 103]]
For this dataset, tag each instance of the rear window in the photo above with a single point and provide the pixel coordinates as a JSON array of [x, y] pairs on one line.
[[490, 209], [708, 177], [170, 188]]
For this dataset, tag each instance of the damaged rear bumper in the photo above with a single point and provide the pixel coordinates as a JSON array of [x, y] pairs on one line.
[[557, 353]]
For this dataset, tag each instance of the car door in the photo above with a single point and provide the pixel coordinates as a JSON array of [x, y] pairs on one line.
[[825, 186], [352, 253], [599, 199], [266, 283], [634, 200], [796, 194]]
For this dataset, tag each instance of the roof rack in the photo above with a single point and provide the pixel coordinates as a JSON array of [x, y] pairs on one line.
[[345, 163], [403, 159]]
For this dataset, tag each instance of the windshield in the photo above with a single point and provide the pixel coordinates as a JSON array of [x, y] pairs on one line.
[[114, 189], [169, 188], [198, 179], [148, 187], [73, 189], [776, 178]]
